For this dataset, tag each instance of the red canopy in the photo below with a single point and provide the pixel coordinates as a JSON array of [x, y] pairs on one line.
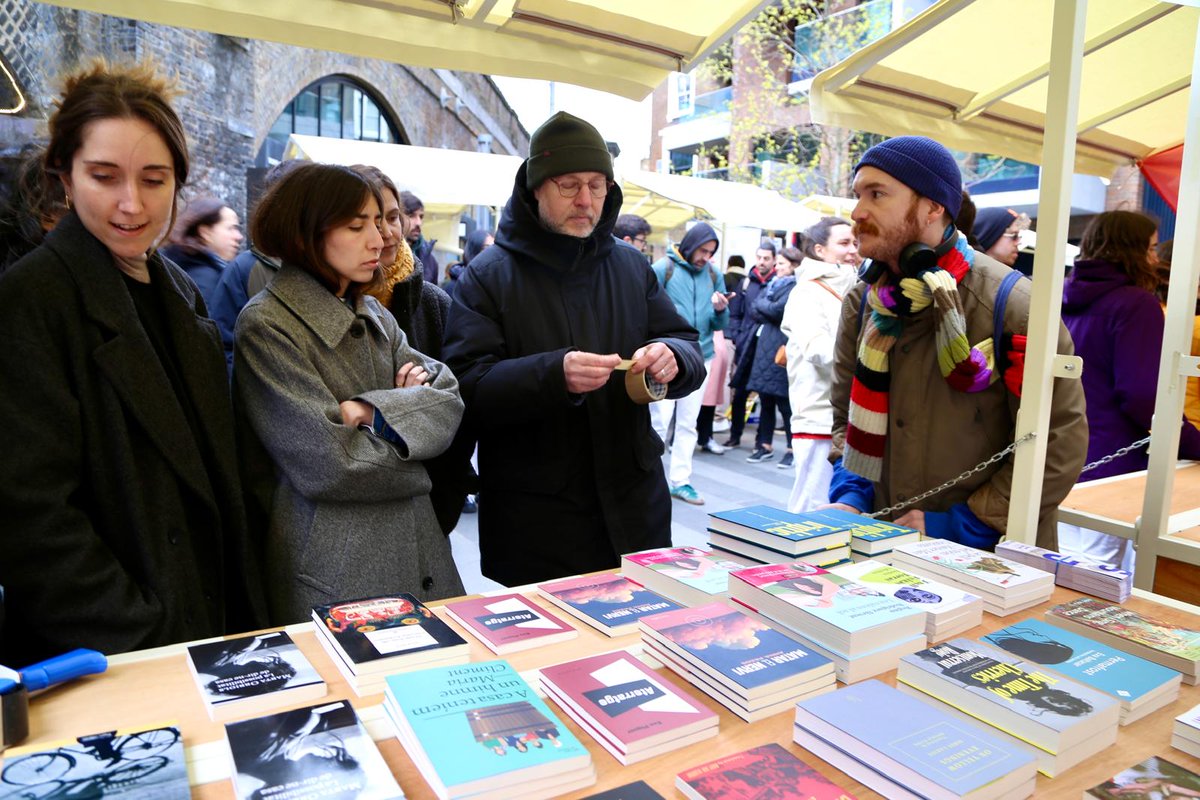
[[1161, 170]]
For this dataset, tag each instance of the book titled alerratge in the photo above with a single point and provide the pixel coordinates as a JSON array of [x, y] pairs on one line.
[[509, 622]]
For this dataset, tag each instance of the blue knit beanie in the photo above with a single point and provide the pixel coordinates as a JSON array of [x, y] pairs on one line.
[[990, 223], [921, 164]]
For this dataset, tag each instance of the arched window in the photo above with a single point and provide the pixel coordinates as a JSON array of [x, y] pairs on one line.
[[334, 106]]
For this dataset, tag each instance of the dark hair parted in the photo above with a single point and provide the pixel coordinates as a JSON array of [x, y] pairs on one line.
[[379, 177], [1122, 238], [767, 244], [819, 234], [631, 225], [297, 212], [200, 213], [410, 203], [793, 255], [110, 91]]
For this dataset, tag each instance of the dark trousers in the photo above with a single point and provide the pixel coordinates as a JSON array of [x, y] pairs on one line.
[[737, 412], [767, 403], [704, 424]]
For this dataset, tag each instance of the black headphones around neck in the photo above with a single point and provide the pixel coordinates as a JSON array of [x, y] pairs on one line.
[[914, 258]]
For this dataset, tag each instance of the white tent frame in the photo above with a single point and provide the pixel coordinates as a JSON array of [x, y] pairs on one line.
[[1153, 531]]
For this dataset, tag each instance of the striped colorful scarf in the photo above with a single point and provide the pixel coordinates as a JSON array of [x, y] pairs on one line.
[[965, 368]]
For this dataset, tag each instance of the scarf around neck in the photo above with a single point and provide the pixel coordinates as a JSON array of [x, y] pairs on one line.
[[893, 300]]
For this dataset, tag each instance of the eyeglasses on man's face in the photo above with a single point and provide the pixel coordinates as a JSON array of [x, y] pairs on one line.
[[569, 187], [1014, 235]]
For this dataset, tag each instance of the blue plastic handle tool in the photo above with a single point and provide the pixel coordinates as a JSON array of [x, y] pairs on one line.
[[68, 666]]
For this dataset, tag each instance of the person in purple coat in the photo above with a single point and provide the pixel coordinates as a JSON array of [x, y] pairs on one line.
[[1117, 324]]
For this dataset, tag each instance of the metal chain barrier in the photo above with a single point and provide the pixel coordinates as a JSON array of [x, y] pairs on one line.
[[981, 466]]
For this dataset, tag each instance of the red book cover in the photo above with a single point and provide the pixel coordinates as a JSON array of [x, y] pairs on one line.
[[509, 622], [629, 703], [768, 771]]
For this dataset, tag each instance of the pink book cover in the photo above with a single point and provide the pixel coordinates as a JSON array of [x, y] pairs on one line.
[[768, 574], [626, 699], [507, 619], [767, 771]]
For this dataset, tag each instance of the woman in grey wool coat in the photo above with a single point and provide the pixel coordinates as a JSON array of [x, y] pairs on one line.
[[337, 412]]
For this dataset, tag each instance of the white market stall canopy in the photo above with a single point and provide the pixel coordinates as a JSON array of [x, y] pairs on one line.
[[670, 200], [974, 74], [447, 181], [626, 47]]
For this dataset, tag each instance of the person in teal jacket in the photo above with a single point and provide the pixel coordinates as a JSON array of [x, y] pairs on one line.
[[690, 279]]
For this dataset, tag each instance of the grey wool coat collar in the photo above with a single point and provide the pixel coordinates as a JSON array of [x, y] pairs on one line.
[[326, 315]]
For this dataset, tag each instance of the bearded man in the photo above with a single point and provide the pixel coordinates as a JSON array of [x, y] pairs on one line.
[[921, 392]]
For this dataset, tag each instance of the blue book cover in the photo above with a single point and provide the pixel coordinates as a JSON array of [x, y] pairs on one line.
[[480, 721], [609, 600], [736, 645], [957, 755], [777, 522], [1116, 673], [1009, 685]]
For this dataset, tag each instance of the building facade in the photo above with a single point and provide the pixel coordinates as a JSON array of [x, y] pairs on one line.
[[240, 98]]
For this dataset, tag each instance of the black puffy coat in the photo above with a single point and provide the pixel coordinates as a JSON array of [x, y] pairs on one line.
[[767, 377], [565, 481]]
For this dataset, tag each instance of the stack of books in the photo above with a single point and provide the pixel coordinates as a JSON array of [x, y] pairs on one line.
[[373, 637], [766, 771], [875, 538], [902, 747], [862, 631], [1005, 586], [506, 623], [320, 751], [1186, 733], [769, 535], [479, 730], [949, 610], [629, 710], [745, 665], [1125, 629], [251, 674], [1153, 778], [691, 576], [1101, 580], [612, 604], [1065, 721], [1138, 685]]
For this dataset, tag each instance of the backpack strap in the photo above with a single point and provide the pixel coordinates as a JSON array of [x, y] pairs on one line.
[[670, 270], [1006, 287], [829, 289]]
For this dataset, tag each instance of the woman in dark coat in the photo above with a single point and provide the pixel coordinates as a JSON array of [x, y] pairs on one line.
[[766, 377], [205, 238], [121, 519]]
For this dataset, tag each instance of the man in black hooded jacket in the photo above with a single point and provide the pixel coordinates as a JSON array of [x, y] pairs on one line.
[[569, 467]]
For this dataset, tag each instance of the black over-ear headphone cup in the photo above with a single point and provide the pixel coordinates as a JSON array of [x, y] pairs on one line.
[[917, 257]]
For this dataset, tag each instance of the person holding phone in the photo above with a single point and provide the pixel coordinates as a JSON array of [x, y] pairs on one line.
[[338, 411]]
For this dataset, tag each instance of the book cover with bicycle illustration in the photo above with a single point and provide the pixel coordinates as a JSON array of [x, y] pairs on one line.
[[145, 764]]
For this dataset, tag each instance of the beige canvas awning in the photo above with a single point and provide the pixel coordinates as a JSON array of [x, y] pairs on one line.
[[974, 74], [669, 200], [626, 47]]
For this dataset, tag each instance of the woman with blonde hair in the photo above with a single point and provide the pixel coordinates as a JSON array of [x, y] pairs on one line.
[[121, 517]]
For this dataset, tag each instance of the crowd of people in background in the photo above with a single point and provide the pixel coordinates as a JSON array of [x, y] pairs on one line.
[[202, 441]]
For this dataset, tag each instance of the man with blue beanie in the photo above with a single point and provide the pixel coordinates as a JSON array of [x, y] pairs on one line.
[[693, 284], [922, 388]]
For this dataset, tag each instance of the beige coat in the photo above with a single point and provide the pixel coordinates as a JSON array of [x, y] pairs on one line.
[[936, 432]]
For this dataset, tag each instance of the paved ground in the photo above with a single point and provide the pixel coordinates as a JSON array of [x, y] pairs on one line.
[[725, 481]]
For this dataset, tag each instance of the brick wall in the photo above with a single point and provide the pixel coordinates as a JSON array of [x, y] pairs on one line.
[[233, 89]]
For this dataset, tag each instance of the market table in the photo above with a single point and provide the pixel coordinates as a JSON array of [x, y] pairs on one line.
[[150, 688]]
